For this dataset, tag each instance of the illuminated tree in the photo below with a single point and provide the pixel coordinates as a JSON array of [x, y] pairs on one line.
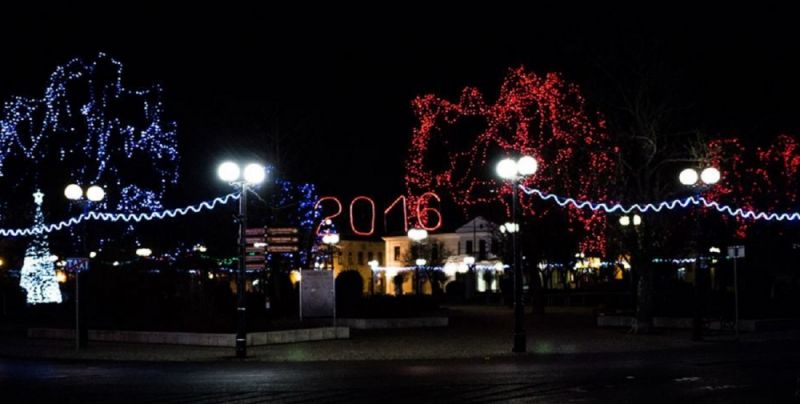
[[544, 116], [38, 275], [88, 128]]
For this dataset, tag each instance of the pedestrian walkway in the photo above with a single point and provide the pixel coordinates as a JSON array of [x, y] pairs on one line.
[[474, 332]]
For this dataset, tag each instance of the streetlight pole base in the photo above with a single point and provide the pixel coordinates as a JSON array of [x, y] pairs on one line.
[[241, 348], [519, 343]]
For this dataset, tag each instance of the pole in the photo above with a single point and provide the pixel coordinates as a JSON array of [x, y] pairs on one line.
[[519, 308], [735, 298], [77, 310], [241, 328], [81, 328]]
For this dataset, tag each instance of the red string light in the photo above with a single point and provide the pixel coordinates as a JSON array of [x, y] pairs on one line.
[[542, 116], [352, 223], [329, 217]]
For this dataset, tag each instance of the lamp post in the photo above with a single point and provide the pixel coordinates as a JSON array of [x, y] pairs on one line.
[[417, 236], [635, 221], [690, 178], [331, 239], [469, 285], [514, 171], [93, 194], [243, 180], [373, 265]]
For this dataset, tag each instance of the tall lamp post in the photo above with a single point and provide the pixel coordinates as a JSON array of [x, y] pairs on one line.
[[373, 266], [514, 171], [690, 178], [93, 194], [417, 236], [243, 180], [635, 221], [331, 239]]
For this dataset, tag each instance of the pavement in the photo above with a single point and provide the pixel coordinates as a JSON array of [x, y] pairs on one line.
[[475, 332]]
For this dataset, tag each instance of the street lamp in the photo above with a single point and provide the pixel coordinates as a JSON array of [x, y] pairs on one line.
[[144, 252], [243, 180], [93, 194], [417, 236], [331, 239], [514, 171], [626, 220], [373, 265], [699, 182]]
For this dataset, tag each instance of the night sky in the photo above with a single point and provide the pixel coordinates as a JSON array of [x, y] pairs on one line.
[[337, 86]]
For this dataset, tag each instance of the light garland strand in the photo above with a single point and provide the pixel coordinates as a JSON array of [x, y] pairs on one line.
[[658, 207], [123, 217]]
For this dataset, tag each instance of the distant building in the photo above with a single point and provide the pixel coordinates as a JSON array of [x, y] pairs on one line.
[[474, 247], [355, 255]]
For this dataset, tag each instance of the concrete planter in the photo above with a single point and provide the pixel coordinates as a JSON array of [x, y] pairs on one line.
[[382, 323], [781, 324], [199, 339]]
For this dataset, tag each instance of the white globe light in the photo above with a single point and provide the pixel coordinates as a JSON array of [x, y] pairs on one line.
[[527, 165], [625, 220], [688, 176], [637, 220], [73, 192], [469, 260], [228, 171], [255, 173], [417, 234], [710, 176], [507, 169], [330, 238], [421, 262], [95, 193]]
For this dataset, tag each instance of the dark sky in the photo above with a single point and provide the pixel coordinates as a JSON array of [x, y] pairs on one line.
[[339, 82]]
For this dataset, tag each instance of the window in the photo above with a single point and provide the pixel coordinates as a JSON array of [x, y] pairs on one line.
[[360, 258], [482, 249], [397, 253], [350, 258], [459, 247], [380, 258], [370, 256], [469, 247], [495, 248]]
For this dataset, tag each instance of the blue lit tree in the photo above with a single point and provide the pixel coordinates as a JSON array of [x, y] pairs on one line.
[[293, 205], [88, 128]]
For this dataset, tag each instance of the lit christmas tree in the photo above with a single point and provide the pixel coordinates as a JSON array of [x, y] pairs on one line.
[[38, 276]]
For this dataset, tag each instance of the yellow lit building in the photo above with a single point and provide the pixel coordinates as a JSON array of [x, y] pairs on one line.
[[355, 254]]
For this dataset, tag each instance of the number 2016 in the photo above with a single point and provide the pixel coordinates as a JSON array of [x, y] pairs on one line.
[[422, 210]]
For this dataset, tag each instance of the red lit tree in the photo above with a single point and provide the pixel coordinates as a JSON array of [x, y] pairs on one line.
[[456, 145]]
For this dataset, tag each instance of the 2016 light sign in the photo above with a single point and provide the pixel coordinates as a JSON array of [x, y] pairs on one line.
[[421, 212]]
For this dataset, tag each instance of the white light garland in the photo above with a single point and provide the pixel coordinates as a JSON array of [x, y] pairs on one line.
[[120, 217]]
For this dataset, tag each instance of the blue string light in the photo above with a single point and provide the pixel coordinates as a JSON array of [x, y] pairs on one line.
[[120, 217], [102, 132], [658, 207]]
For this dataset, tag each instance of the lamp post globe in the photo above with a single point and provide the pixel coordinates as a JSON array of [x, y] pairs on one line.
[[688, 176], [710, 175], [73, 192], [254, 173], [507, 169], [95, 193], [228, 171], [527, 165]]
